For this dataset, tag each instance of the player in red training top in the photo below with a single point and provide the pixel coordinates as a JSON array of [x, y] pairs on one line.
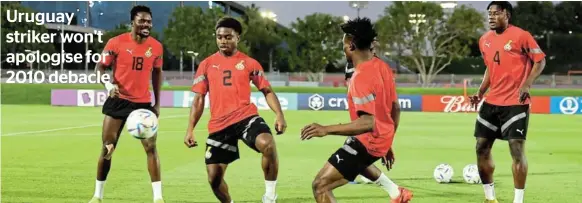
[[226, 77], [514, 61], [374, 111], [135, 58]]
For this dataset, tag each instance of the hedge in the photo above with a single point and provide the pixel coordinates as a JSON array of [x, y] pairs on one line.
[[41, 93]]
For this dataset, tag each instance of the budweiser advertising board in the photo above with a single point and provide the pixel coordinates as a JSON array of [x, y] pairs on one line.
[[452, 104]]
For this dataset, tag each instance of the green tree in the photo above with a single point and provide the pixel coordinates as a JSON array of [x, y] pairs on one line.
[[192, 29], [569, 17], [537, 17], [118, 30], [262, 36], [315, 43], [426, 37], [21, 27]]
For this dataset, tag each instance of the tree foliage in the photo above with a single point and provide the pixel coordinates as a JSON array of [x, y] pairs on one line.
[[118, 30], [537, 17], [429, 46], [541, 17], [191, 28], [262, 36], [315, 43], [22, 27]]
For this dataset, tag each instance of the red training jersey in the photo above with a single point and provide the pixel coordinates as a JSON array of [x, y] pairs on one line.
[[132, 65], [372, 90], [509, 58], [227, 80]]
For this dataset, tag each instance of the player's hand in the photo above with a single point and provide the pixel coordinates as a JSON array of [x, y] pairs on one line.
[[157, 110], [389, 159], [280, 124], [475, 99], [313, 130], [523, 94], [114, 92], [189, 140]]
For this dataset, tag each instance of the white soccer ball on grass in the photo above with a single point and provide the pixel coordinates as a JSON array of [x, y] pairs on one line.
[[471, 174], [443, 173], [142, 124]]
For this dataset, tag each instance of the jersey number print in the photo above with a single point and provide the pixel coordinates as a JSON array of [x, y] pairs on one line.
[[496, 58], [226, 78], [137, 63]]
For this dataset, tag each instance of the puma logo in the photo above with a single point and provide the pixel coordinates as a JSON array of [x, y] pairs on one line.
[[338, 158], [520, 131], [130, 51], [216, 66]]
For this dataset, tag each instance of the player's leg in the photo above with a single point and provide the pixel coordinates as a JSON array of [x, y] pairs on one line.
[[153, 163], [113, 123], [486, 131], [515, 124], [395, 192], [153, 160], [216, 180], [326, 180], [257, 135], [341, 167], [221, 150]]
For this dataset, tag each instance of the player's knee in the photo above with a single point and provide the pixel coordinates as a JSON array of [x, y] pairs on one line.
[[266, 144], [318, 185], [214, 180], [483, 149], [516, 148], [150, 148]]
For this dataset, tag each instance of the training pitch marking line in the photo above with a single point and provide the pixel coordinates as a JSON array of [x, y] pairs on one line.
[[76, 127]]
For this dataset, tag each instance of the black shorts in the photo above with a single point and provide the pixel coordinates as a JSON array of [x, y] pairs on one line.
[[222, 146], [502, 122], [120, 108], [352, 159]]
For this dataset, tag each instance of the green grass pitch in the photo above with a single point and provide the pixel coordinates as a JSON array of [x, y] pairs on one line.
[[41, 164]]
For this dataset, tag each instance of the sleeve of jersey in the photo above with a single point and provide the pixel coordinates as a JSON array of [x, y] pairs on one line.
[[159, 61], [532, 48], [109, 52], [363, 96], [200, 84], [482, 52], [394, 94], [258, 77]]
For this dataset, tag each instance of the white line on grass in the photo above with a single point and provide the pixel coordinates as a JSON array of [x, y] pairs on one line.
[[76, 127]]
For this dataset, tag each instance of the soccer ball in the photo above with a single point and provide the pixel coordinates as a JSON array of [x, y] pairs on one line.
[[443, 173], [142, 124], [471, 174]]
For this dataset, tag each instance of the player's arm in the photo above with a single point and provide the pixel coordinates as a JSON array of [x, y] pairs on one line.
[[535, 53], [108, 56], [196, 110], [200, 88], [157, 80], [395, 114], [485, 83], [364, 104], [364, 124], [259, 80]]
